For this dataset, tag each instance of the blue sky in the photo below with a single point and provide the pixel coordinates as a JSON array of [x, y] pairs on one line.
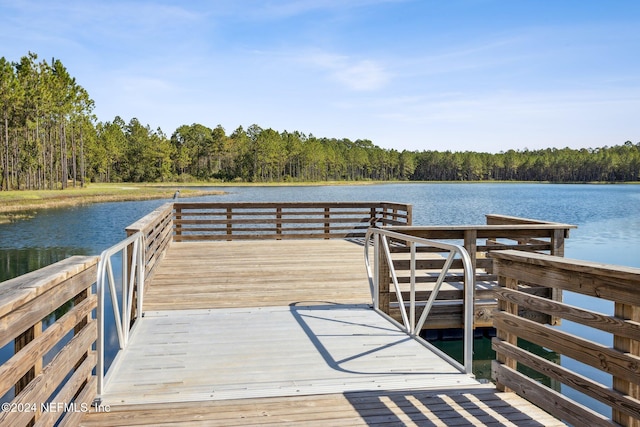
[[480, 75]]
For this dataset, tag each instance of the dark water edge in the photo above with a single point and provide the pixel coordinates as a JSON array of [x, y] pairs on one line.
[[19, 261]]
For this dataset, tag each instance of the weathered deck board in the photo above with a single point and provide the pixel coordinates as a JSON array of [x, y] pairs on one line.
[[258, 273], [479, 406]]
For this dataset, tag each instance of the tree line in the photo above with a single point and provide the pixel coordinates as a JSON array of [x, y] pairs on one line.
[[50, 139], [619, 163]]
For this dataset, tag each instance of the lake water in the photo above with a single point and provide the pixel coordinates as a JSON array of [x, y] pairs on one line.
[[607, 216]]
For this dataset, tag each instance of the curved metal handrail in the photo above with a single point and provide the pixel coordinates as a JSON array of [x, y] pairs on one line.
[[130, 282], [381, 242]]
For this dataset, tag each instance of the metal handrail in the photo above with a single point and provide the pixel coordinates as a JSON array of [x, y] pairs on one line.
[[381, 242], [130, 282]]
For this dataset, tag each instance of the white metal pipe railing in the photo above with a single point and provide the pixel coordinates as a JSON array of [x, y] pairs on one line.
[[132, 280], [409, 324]]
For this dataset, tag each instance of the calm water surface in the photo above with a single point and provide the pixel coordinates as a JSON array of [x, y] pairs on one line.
[[607, 216]]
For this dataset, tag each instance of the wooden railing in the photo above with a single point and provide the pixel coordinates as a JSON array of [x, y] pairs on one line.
[[244, 220], [293, 220], [501, 232], [49, 379], [517, 272], [157, 229]]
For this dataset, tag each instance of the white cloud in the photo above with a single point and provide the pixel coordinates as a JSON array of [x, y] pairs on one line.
[[362, 75], [354, 74]]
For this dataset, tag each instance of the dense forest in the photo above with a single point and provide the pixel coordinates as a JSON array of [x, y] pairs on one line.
[[50, 139]]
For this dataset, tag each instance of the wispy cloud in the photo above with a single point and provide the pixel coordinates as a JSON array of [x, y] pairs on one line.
[[268, 10], [354, 74]]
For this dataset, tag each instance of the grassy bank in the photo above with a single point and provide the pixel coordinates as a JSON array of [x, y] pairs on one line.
[[20, 204]]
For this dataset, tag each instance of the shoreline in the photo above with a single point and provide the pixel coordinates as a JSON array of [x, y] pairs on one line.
[[20, 204]]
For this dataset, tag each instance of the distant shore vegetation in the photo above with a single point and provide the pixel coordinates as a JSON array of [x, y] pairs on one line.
[[50, 139]]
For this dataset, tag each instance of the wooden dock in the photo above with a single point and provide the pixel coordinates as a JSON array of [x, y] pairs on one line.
[[245, 273], [282, 332], [264, 314]]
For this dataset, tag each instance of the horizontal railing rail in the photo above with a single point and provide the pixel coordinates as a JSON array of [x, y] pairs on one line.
[[620, 364], [157, 229], [46, 316], [284, 220], [381, 273], [128, 308], [182, 221], [502, 232]]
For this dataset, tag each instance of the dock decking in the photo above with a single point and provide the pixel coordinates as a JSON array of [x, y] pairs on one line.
[[246, 273], [262, 314], [280, 332]]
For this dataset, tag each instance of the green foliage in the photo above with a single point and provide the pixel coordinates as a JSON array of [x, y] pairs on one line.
[[50, 138], [608, 164], [46, 120]]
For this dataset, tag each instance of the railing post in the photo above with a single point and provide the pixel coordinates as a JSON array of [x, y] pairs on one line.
[[510, 308], [557, 242], [176, 220], [327, 223], [229, 225], [626, 345], [557, 249], [470, 244], [279, 222], [20, 342], [78, 328]]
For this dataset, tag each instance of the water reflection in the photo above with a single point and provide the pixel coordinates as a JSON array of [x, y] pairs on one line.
[[18, 261]]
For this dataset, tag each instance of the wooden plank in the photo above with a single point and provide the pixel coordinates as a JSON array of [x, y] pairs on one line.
[[484, 231], [251, 273], [288, 205], [483, 406], [279, 212], [272, 220], [450, 316], [32, 310], [20, 363], [81, 383], [152, 219], [17, 292], [615, 283], [580, 383], [498, 219], [85, 397], [613, 324], [39, 390], [591, 353], [631, 346], [253, 237], [548, 399]]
